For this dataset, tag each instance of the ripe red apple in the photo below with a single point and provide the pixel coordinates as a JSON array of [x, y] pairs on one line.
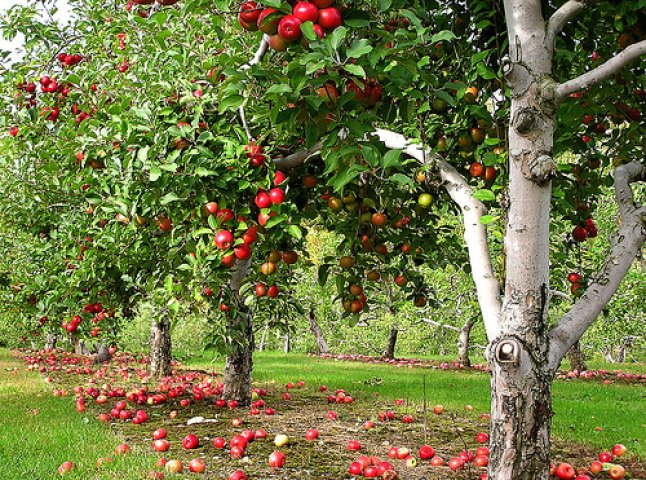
[[617, 472], [306, 12], [605, 457], [242, 252], [223, 239], [481, 461], [276, 459], [354, 445], [238, 475], [565, 471], [437, 461], [330, 18], [277, 195], [65, 467], [219, 442], [619, 450], [249, 12], [482, 437], [579, 233], [268, 21], [190, 442], [322, 3], [159, 434], [289, 28], [312, 434], [278, 43], [456, 463], [197, 465], [426, 452], [263, 200], [161, 445], [596, 467]]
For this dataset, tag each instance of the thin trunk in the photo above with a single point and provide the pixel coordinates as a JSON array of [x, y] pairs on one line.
[[321, 344], [391, 342], [263, 339], [239, 362], [78, 345], [463, 343], [50, 341], [287, 345], [102, 355], [575, 355], [160, 345]]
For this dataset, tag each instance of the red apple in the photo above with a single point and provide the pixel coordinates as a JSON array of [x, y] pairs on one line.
[[161, 445], [617, 472], [312, 434], [224, 239], [565, 471], [190, 442], [426, 452], [306, 12], [618, 450], [330, 18], [197, 465], [159, 434], [276, 459], [289, 28], [268, 21]]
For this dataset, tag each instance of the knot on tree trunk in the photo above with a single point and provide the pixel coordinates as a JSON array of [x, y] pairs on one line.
[[539, 168], [525, 120]]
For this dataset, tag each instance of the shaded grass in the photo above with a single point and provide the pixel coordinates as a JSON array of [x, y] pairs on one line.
[[580, 406], [38, 432]]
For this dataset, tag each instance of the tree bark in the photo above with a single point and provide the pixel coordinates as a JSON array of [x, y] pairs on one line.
[[575, 355], [321, 344], [78, 345], [239, 361], [463, 343], [50, 341], [160, 345], [287, 346], [102, 355], [391, 342]]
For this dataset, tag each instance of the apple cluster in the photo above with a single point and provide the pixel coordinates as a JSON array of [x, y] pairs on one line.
[[584, 231], [284, 28], [68, 60]]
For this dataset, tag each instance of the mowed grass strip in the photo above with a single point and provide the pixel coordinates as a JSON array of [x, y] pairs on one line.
[[585, 411], [38, 432]]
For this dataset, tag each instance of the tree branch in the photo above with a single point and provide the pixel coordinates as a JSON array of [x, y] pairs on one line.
[[257, 58], [297, 158], [603, 71], [561, 17], [627, 245], [562, 295], [475, 233]]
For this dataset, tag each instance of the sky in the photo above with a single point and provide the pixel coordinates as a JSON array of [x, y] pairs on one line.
[[15, 45]]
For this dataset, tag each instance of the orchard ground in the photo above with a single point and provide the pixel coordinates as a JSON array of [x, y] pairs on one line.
[[39, 431]]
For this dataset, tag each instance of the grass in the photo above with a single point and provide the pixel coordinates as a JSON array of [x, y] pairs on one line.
[[38, 432], [580, 406]]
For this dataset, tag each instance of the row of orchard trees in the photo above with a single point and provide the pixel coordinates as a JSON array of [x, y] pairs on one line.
[[144, 145]]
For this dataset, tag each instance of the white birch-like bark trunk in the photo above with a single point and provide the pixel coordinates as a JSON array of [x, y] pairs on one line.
[[160, 345]]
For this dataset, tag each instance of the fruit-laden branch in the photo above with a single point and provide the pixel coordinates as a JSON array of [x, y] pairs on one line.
[[257, 58], [561, 17], [627, 245], [603, 71], [475, 233]]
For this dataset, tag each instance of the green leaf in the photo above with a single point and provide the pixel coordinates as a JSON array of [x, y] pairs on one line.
[[336, 38], [169, 198], [142, 154], [487, 219], [280, 88], [443, 36], [356, 70], [231, 103], [392, 159], [484, 195], [359, 48], [155, 173], [204, 172], [402, 179], [295, 231]]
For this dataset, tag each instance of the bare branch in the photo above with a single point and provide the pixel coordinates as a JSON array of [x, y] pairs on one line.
[[603, 71], [438, 324], [257, 58], [626, 247], [297, 158], [475, 233], [562, 295], [561, 17]]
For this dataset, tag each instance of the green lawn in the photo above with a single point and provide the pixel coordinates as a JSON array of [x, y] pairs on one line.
[[38, 432], [579, 405]]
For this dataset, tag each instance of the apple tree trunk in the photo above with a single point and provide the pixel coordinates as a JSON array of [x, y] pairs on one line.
[[50, 341], [463, 343], [391, 342], [575, 356], [321, 344], [521, 407], [78, 345], [102, 355], [160, 345], [239, 362], [287, 345]]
